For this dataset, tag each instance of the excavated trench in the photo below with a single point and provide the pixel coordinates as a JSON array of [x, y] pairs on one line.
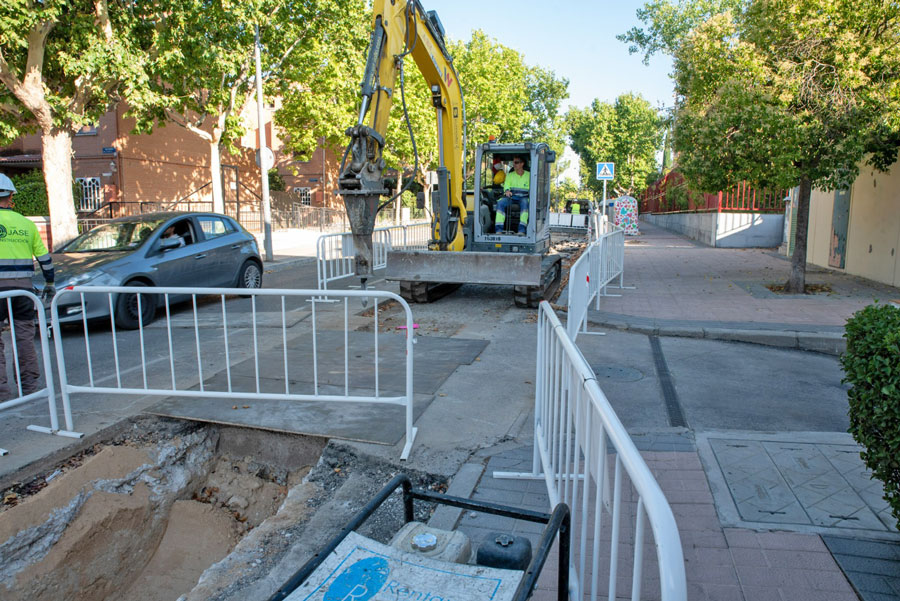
[[142, 516], [166, 509]]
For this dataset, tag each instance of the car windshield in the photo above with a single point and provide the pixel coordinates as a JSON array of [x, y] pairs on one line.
[[117, 235]]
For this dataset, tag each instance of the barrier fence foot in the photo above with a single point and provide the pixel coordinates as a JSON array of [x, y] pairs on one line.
[[518, 476], [45, 430], [3, 452], [532, 476], [408, 446]]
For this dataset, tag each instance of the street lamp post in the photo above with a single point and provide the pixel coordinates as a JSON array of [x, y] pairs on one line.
[[263, 162]]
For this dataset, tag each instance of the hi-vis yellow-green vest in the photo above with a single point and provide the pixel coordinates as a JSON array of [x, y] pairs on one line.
[[19, 242]]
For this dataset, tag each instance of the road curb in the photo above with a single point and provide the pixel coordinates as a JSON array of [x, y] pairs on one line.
[[283, 263], [829, 343]]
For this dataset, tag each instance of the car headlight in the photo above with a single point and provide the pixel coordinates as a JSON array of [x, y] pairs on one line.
[[82, 278]]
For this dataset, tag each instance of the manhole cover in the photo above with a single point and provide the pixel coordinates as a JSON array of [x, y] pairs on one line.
[[617, 373]]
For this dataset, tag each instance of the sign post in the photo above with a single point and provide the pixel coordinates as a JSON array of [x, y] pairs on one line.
[[605, 172]]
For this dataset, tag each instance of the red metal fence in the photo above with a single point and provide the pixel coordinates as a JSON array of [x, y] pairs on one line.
[[671, 195]]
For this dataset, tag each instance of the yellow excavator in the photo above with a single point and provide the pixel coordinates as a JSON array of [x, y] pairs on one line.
[[471, 242]]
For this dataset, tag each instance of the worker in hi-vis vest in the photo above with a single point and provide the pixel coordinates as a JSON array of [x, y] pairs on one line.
[[20, 243], [520, 179]]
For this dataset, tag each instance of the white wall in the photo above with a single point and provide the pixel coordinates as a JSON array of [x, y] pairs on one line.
[[697, 226], [726, 230], [749, 230]]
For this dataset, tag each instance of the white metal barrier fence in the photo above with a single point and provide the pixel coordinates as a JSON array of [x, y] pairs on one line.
[[177, 357], [599, 224], [416, 236], [16, 390], [598, 266], [568, 220], [335, 253], [580, 448]]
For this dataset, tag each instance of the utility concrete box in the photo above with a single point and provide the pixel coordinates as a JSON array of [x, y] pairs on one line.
[[443, 545], [363, 569]]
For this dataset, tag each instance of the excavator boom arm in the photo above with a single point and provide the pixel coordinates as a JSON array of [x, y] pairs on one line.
[[401, 28]]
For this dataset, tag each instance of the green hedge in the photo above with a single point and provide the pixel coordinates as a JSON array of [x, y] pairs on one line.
[[872, 366], [31, 194]]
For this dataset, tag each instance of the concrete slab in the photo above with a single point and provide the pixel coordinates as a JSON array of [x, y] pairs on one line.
[[364, 422], [435, 358], [211, 318], [806, 482]]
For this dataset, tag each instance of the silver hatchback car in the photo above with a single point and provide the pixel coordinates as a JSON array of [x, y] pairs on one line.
[[195, 250]]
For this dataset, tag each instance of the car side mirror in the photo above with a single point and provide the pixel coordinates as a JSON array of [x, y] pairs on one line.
[[169, 243]]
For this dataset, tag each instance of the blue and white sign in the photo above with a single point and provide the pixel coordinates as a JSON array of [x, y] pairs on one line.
[[606, 171], [361, 569]]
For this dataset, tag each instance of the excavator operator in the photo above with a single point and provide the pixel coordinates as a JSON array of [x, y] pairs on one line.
[[517, 179]]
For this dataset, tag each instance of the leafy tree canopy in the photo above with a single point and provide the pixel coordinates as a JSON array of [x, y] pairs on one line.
[[627, 132], [504, 98], [320, 89], [64, 63], [668, 23], [788, 92]]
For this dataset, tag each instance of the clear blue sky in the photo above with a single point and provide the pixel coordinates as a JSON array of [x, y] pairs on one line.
[[574, 38]]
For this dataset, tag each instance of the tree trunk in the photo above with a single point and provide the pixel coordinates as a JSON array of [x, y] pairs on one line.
[[57, 156], [215, 172], [797, 282]]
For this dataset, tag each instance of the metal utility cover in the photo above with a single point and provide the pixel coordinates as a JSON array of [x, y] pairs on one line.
[[464, 267]]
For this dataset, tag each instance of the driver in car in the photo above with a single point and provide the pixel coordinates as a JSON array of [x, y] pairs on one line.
[[517, 178], [170, 233]]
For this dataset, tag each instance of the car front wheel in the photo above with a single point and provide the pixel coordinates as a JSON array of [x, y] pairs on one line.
[[250, 275], [128, 315]]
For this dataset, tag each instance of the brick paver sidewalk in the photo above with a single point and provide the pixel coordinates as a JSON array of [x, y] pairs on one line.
[[679, 279], [720, 563]]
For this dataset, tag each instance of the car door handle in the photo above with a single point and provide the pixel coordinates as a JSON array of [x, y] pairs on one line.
[[200, 256], [236, 245]]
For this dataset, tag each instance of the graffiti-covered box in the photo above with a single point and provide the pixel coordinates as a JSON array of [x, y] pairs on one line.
[[627, 215]]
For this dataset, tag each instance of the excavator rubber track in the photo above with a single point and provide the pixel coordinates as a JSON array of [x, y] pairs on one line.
[[551, 274], [425, 292]]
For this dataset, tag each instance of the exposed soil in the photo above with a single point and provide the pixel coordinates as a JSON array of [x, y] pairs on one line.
[[197, 535], [809, 289], [571, 250], [144, 515]]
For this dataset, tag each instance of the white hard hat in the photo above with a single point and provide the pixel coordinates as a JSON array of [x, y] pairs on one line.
[[6, 186]]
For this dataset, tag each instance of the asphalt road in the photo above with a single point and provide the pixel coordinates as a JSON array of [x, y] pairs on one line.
[[714, 385]]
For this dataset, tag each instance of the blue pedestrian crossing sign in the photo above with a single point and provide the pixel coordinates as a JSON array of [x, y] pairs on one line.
[[606, 171]]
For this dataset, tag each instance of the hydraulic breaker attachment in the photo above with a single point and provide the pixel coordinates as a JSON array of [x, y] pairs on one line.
[[361, 186]]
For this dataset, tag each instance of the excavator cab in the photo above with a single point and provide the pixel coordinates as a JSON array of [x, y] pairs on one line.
[[511, 210], [507, 236]]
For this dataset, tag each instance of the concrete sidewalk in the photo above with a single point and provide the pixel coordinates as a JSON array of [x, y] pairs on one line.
[[683, 288]]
